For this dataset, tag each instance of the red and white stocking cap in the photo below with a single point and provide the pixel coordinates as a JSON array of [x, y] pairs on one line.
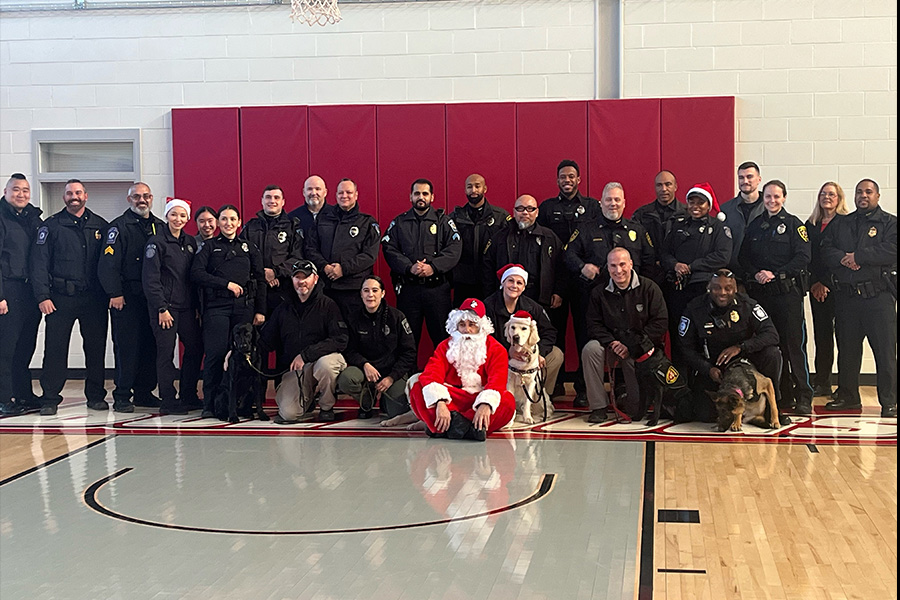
[[521, 316], [173, 202], [705, 189], [512, 269]]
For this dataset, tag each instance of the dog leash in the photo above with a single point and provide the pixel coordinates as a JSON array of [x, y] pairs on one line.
[[264, 374], [539, 384]]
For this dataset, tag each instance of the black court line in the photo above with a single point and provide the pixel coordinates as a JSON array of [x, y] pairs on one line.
[[90, 498], [12, 478], [813, 448], [678, 516], [688, 571], [645, 583]]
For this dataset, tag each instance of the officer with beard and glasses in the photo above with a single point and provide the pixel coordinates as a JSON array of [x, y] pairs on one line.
[[477, 221], [120, 271]]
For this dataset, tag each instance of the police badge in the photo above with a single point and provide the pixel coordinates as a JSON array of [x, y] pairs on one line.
[[491, 222], [873, 232], [632, 235], [781, 228], [433, 229], [282, 236], [734, 316], [354, 231], [639, 307], [244, 247]]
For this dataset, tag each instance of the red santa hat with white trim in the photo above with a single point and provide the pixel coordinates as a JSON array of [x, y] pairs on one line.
[[521, 316], [512, 269], [173, 202], [705, 190]]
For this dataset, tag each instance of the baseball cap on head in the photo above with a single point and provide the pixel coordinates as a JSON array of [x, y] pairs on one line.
[[473, 305], [303, 267]]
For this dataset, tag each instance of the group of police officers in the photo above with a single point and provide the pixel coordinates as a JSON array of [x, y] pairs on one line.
[[76, 266]]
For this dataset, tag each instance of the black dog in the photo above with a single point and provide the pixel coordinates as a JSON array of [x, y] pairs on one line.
[[245, 383], [662, 387]]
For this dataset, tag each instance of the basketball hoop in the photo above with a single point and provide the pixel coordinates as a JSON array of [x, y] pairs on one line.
[[315, 12]]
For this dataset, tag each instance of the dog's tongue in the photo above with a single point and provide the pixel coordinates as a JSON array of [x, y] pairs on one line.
[[739, 392]]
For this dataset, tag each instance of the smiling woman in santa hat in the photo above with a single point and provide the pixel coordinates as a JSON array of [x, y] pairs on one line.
[[462, 392]]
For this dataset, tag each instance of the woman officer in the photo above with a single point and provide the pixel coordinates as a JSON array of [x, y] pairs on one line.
[[172, 303], [775, 256], [229, 273], [381, 354]]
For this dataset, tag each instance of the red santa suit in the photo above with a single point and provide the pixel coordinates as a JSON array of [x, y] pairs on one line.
[[464, 387]]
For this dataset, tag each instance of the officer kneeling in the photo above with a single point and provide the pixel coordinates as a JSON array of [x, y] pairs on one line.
[[716, 328]]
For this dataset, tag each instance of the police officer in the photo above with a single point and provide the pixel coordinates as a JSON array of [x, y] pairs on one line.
[[344, 246], [522, 241], [172, 305], [421, 246], [774, 259], [696, 246], [717, 327], [657, 215], [744, 208], [861, 252], [563, 215], [19, 314], [314, 194], [279, 239], [381, 354], [64, 280], [207, 220], [229, 274], [477, 221], [119, 271]]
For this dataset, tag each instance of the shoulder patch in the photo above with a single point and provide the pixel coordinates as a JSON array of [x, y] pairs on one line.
[[42, 235], [376, 228], [452, 224], [804, 235], [406, 328], [760, 313], [683, 326], [112, 235], [727, 231], [151, 251]]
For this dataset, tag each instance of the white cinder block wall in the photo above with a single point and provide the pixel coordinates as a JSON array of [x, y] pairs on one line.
[[815, 80]]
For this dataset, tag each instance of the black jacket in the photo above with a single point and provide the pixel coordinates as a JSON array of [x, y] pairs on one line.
[[306, 218], [410, 238], [349, 238], [383, 339], [17, 232], [474, 235], [495, 309], [818, 271], [702, 244], [705, 330], [737, 223], [638, 312], [872, 237], [222, 261], [124, 240], [657, 218], [563, 216], [537, 249], [591, 242], [65, 253], [310, 329], [780, 244], [167, 272], [279, 240]]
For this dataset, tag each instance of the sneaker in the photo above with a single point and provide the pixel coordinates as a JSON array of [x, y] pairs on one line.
[[326, 416], [598, 415], [803, 407], [123, 407], [148, 401], [175, 408], [48, 410], [11, 409], [580, 400], [889, 412], [97, 405]]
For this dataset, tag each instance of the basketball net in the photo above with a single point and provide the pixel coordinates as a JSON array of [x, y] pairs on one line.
[[315, 12]]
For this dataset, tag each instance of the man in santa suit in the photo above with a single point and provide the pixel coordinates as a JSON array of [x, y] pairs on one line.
[[462, 392]]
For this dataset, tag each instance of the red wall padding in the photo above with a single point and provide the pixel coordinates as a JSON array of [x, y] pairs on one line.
[[274, 151], [546, 133], [697, 143]]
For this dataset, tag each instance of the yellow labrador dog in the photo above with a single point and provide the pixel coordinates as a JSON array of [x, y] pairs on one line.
[[525, 381]]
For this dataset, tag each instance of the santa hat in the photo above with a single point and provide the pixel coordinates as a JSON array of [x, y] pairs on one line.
[[471, 309], [521, 316], [173, 202], [512, 269], [705, 189]]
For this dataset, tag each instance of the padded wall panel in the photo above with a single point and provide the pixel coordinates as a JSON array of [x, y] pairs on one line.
[[546, 133], [698, 143], [206, 156], [342, 144], [624, 147], [481, 138], [274, 151]]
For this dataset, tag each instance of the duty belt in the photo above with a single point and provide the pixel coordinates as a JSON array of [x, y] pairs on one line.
[[67, 287], [434, 280]]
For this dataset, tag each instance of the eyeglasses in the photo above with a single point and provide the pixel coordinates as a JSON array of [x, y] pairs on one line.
[[137, 197], [530, 209], [828, 195]]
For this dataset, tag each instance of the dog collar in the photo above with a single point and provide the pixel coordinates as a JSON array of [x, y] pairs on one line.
[[524, 371], [646, 356]]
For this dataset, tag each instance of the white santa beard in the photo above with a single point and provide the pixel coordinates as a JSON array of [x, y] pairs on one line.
[[467, 353]]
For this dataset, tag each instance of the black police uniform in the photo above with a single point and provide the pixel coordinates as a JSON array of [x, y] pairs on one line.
[[476, 227], [280, 240], [349, 238], [19, 326], [167, 285], [431, 237], [865, 300], [657, 218], [704, 330], [219, 262], [119, 270], [702, 244], [823, 315], [592, 243], [536, 248], [385, 340], [64, 270], [780, 244]]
